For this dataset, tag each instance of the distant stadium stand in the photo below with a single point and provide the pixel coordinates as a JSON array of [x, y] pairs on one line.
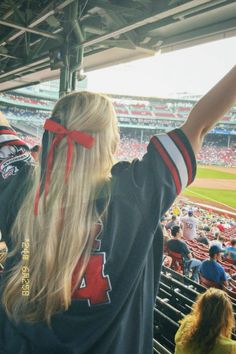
[[139, 118]]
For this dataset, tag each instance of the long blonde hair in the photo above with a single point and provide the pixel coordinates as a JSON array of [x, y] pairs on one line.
[[211, 316], [57, 242]]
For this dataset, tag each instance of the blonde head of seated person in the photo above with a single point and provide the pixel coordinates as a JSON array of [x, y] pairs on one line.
[[208, 328]]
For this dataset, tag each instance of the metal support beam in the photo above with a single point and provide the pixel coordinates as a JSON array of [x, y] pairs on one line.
[[30, 30], [9, 56], [3, 77], [154, 18], [72, 56], [48, 11]]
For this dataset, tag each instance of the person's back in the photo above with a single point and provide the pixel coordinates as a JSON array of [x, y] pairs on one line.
[[207, 329], [189, 226], [211, 270], [71, 286], [231, 250], [95, 309], [223, 345], [178, 246]]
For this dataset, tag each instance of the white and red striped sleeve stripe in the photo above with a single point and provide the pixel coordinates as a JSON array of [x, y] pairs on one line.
[[8, 136], [177, 154]]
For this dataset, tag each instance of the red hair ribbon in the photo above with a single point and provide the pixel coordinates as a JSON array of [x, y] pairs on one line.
[[72, 136]]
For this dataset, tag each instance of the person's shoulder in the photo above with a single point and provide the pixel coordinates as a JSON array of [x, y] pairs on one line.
[[206, 262], [120, 167], [170, 241], [219, 266], [228, 345]]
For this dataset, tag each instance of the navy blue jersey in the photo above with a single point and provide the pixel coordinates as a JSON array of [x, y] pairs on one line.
[[112, 308]]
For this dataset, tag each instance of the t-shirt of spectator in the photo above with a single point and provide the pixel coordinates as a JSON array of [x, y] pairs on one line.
[[216, 243], [230, 252], [176, 211], [204, 240], [221, 227], [189, 227], [179, 246], [111, 310], [212, 270], [223, 345], [206, 228], [170, 224]]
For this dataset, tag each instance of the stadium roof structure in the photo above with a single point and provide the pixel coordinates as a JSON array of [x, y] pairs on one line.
[[44, 39]]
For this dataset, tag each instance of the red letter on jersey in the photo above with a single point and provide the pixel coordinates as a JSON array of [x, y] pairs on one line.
[[94, 286]]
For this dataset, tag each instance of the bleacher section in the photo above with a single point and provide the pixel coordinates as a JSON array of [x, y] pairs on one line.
[[176, 296], [138, 119]]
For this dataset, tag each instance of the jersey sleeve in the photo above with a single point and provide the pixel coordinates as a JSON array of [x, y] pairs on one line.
[[165, 170]]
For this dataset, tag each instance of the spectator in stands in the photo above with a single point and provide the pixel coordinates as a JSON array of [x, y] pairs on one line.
[[189, 224], [208, 328], [172, 222], [218, 241], [177, 245], [220, 226], [176, 210], [230, 251], [203, 239], [212, 270], [214, 228], [205, 224], [92, 228]]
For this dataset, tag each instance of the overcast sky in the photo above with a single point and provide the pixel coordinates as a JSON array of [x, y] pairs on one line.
[[193, 70]]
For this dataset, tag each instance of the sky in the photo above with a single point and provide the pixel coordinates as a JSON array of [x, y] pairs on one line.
[[193, 70]]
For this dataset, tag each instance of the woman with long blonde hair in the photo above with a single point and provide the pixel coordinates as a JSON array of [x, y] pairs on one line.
[[85, 244], [208, 328]]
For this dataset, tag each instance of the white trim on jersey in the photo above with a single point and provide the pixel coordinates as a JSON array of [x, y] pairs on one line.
[[176, 157], [8, 137]]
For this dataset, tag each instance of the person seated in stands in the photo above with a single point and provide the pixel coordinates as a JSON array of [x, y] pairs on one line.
[[202, 238], [211, 270], [208, 328], [218, 241], [205, 224], [176, 210], [167, 260], [189, 224], [231, 250], [220, 226], [214, 228], [179, 246], [172, 222]]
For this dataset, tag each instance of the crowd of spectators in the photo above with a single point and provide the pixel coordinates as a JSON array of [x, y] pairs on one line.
[[208, 155], [217, 149], [205, 242], [27, 100], [211, 155], [18, 113]]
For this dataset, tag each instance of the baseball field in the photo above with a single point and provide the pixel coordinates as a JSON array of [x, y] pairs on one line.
[[214, 186]]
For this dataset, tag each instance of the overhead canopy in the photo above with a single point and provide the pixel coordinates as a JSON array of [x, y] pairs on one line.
[[37, 36]]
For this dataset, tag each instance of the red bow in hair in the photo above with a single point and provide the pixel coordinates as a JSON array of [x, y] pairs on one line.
[[73, 136]]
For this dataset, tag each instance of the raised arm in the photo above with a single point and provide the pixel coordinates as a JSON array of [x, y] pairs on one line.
[[210, 109]]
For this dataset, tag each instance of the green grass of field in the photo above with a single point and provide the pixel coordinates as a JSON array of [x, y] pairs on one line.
[[223, 196], [205, 172], [227, 197]]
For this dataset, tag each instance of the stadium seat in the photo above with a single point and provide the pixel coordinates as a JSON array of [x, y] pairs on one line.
[[169, 310], [158, 348], [177, 262], [208, 283], [165, 329]]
